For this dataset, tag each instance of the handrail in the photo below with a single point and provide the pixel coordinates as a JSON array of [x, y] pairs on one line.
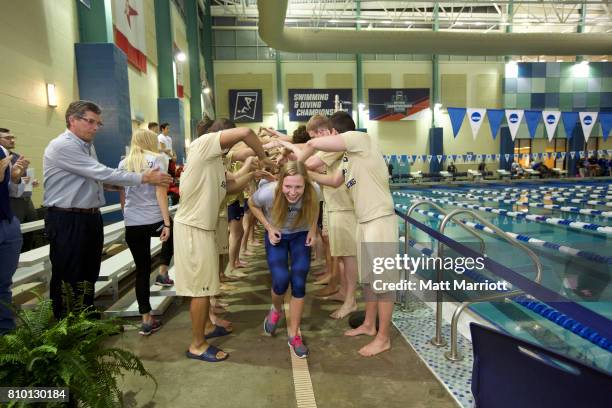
[[437, 341], [453, 354]]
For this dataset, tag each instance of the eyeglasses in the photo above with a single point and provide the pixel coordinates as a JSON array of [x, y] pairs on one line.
[[91, 121]]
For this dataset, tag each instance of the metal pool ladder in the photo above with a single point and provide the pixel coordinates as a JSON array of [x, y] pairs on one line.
[[453, 354]]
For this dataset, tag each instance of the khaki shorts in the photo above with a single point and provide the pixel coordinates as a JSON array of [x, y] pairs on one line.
[[342, 226], [196, 261], [222, 234], [369, 235], [325, 229]]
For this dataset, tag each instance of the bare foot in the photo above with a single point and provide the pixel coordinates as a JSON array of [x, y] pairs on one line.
[[361, 330], [219, 310], [248, 252], [343, 311], [225, 278], [227, 288], [324, 280], [326, 291], [240, 264], [221, 322], [336, 297], [375, 347], [255, 243]]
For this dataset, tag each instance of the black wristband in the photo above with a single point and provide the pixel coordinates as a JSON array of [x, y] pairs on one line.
[[167, 226]]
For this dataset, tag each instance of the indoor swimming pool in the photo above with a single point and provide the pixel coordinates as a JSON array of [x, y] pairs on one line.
[[567, 225]]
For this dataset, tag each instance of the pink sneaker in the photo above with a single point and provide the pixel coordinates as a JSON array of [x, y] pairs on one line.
[[271, 321]]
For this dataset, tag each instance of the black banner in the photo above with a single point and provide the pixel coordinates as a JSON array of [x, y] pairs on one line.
[[245, 105]]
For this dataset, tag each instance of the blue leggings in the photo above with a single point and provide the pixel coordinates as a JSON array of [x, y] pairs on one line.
[[293, 244]]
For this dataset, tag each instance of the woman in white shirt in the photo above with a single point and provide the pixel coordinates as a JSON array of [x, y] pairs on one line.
[[146, 215]]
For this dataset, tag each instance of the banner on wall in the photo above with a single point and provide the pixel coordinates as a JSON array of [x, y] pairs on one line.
[[398, 104], [245, 105], [532, 118], [304, 103], [129, 31], [514, 117], [551, 120], [476, 117], [587, 120]]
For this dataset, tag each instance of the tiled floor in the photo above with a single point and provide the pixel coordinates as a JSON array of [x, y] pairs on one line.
[[417, 325]]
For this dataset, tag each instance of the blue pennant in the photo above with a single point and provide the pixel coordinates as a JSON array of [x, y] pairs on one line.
[[456, 117], [495, 119], [570, 119], [532, 117]]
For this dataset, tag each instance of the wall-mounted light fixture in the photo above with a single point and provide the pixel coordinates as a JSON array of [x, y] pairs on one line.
[[180, 56], [207, 90], [51, 96]]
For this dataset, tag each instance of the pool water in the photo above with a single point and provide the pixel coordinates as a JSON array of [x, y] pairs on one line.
[[582, 280]]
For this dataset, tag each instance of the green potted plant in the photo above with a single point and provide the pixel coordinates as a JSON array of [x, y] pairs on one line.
[[70, 353]]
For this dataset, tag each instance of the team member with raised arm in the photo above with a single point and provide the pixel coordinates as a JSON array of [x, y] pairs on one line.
[[203, 188], [364, 172], [288, 211]]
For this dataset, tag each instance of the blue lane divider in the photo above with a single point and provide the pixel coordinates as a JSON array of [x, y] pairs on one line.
[[535, 306], [579, 313], [574, 210], [541, 194], [578, 225], [591, 256]]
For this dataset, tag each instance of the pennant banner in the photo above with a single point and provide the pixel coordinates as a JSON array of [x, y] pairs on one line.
[[570, 119], [495, 119], [476, 117], [514, 117], [551, 120], [605, 120], [439, 156], [587, 120], [532, 118], [456, 116]]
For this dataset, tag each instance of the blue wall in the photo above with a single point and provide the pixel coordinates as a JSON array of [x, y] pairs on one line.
[[171, 110], [102, 76]]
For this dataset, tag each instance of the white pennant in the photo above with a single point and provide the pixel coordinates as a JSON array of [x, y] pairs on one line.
[[551, 120], [439, 158], [507, 156], [429, 156], [514, 118], [587, 120], [572, 153], [563, 155], [476, 117]]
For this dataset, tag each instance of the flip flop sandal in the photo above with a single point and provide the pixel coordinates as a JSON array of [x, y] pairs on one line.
[[210, 355], [219, 331]]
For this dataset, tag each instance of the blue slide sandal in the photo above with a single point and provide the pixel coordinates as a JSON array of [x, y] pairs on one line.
[[219, 331], [209, 355]]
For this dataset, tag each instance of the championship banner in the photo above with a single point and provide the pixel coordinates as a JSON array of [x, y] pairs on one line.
[[587, 120], [514, 117], [532, 117], [476, 117], [551, 120], [245, 105], [495, 119], [129, 31], [305, 103], [398, 104]]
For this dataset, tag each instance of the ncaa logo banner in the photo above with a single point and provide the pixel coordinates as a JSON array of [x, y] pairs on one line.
[[551, 120], [514, 118], [245, 105], [587, 120], [476, 117]]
